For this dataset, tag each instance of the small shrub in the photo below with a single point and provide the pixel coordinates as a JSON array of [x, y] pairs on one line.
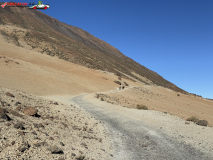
[[193, 119], [97, 96], [102, 99], [119, 78], [126, 84], [142, 107], [178, 95], [118, 82]]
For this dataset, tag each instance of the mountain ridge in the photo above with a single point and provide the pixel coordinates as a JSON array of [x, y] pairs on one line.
[[50, 36]]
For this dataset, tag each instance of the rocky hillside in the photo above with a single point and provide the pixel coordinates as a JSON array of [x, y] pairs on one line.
[[32, 127], [50, 36]]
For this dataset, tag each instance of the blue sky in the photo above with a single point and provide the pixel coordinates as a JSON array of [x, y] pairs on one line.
[[171, 37]]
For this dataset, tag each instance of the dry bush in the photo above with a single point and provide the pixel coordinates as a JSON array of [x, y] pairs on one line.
[[193, 119], [126, 84], [118, 82], [143, 107], [102, 99]]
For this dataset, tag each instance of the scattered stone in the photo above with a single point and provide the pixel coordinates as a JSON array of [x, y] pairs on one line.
[[35, 125], [34, 132], [40, 125], [81, 157], [30, 111], [18, 108], [100, 140], [45, 123], [24, 146], [10, 95], [39, 144], [7, 144], [15, 113], [13, 142], [6, 104], [61, 143], [202, 123], [84, 128], [17, 103], [55, 103], [19, 125], [144, 145], [2, 104], [8, 124], [51, 118], [65, 125], [5, 116], [187, 123], [51, 138], [73, 154], [84, 144], [21, 133], [56, 150], [2, 110], [60, 158]]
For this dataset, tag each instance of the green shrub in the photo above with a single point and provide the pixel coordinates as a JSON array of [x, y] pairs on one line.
[[142, 107], [193, 119]]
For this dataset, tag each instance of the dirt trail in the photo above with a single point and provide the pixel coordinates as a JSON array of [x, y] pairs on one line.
[[136, 137]]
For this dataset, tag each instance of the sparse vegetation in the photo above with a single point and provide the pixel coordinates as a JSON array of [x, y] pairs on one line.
[[118, 82], [102, 99], [143, 107], [197, 121], [126, 84], [193, 119]]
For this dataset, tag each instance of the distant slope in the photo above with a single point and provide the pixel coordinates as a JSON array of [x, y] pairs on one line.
[[52, 37]]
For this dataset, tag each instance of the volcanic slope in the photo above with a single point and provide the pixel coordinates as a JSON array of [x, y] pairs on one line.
[[47, 35]]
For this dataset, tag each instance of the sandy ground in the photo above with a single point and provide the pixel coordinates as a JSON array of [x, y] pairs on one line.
[[27, 70], [173, 127], [164, 100]]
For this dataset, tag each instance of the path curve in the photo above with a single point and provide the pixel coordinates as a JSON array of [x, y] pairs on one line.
[[134, 140]]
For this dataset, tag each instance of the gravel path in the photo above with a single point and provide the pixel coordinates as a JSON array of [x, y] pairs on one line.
[[133, 139]]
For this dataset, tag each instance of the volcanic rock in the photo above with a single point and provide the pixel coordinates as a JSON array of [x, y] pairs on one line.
[[202, 123], [56, 150], [10, 95], [30, 111], [5, 116]]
